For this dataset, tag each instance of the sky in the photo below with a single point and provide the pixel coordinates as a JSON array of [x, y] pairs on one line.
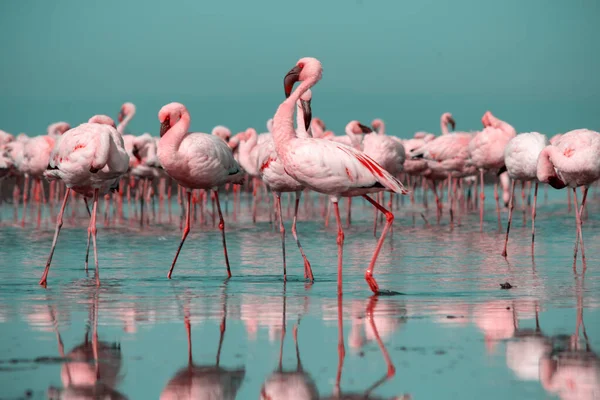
[[532, 63]]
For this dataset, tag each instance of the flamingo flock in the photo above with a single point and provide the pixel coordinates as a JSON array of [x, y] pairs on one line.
[[98, 160]]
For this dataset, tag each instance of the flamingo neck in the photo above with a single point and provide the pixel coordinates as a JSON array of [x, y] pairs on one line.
[[123, 124], [355, 140], [283, 121], [444, 126], [301, 131], [545, 169], [381, 130], [172, 139]]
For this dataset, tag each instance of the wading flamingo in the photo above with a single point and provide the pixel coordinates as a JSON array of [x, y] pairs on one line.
[[520, 157], [90, 159], [328, 167], [195, 161]]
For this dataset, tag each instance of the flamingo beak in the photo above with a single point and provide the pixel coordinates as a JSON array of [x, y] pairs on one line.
[[556, 182], [121, 116], [307, 113], [290, 78], [452, 123], [365, 129], [136, 153], [165, 126]]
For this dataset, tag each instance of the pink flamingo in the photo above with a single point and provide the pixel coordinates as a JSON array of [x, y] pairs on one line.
[[520, 157], [572, 161], [328, 167], [223, 132], [126, 114], [487, 153], [6, 162], [90, 159], [273, 174], [195, 161]]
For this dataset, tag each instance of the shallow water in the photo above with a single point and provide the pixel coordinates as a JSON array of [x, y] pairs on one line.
[[450, 333]]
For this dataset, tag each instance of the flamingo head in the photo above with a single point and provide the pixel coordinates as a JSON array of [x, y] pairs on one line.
[[320, 122], [357, 128], [169, 115], [305, 67], [377, 124], [58, 128], [250, 132], [223, 132], [126, 110], [448, 119], [102, 119], [487, 119]]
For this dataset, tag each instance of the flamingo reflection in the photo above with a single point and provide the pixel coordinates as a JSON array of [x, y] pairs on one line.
[[91, 369], [294, 384], [204, 381]]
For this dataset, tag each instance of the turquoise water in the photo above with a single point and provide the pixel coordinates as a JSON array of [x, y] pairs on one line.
[[451, 333]]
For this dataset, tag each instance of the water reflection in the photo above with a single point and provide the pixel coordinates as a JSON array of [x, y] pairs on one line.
[[195, 381], [572, 369], [91, 369]]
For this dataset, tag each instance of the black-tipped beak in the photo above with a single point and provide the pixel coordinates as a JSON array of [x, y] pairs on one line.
[[556, 182], [452, 122], [501, 170], [136, 153], [365, 129], [290, 78], [165, 126], [307, 111]]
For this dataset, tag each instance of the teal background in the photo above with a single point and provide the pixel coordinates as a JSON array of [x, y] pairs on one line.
[[532, 63]]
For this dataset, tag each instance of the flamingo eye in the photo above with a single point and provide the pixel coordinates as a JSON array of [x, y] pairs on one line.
[[301, 65]]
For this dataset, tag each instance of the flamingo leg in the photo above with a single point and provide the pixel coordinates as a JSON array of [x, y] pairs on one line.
[[450, 201], [222, 229], [93, 231], [307, 268], [25, 199], [186, 230], [188, 330], [497, 198], [389, 217], [277, 197], [87, 249], [59, 224], [340, 243], [533, 213], [482, 200], [578, 213], [511, 206], [341, 347]]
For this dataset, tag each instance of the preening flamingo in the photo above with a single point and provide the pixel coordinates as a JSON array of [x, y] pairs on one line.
[[195, 161], [90, 159], [328, 167], [520, 157], [573, 161]]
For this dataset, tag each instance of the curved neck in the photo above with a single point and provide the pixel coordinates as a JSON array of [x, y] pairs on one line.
[[283, 121], [123, 124], [355, 139], [444, 126], [300, 129], [545, 168], [381, 130], [499, 124], [174, 136]]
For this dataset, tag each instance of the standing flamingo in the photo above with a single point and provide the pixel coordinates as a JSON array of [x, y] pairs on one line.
[[195, 161], [520, 156], [273, 174], [572, 161], [90, 159], [328, 167], [487, 153]]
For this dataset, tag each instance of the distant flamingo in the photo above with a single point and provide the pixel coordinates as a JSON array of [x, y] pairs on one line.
[[328, 167], [126, 114], [222, 131], [89, 159], [273, 174], [573, 161], [195, 161], [487, 153], [521, 156]]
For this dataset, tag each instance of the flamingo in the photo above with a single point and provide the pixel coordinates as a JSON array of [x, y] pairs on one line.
[[195, 161], [520, 157], [487, 152], [328, 167], [90, 159], [572, 161], [126, 114], [272, 172], [222, 131], [6, 162]]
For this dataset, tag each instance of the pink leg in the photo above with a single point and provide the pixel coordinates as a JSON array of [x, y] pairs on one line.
[[186, 230], [87, 248], [341, 347], [482, 201], [281, 231], [307, 268], [523, 203], [497, 198], [93, 232], [511, 206], [222, 229], [533, 213], [340, 243], [25, 198], [59, 224], [578, 213], [389, 217]]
